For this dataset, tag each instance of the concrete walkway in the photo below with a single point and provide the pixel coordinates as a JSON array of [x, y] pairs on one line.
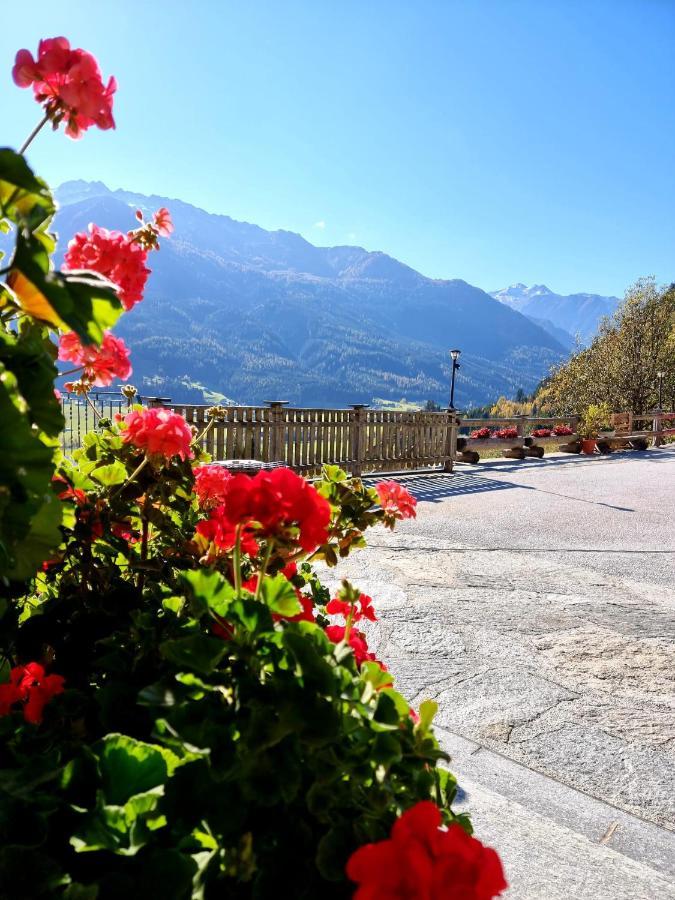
[[535, 601]]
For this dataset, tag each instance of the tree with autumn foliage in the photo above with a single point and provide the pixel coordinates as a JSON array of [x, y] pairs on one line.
[[620, 366]]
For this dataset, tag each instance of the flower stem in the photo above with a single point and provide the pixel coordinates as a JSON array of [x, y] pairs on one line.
[[34, 133], [200, 437], [348, 624], [97, 414], [263, 571], [144, 545], [237, 561], [136, 472]]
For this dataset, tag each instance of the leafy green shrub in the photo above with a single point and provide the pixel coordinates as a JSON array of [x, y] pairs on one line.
[[180, 714]]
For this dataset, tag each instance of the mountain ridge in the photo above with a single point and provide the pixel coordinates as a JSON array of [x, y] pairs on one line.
[[578, 315], [238, 311]]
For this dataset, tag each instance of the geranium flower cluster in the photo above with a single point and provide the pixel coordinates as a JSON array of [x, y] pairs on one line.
[[29, 686], [481, 434], [396, 500], [100, 365], [361, 609], [541, 432], [211, 483], [69, 84], [353, 607], [277, 504], [159, 433], [504, 434], [424, 861], [118, 257], [561, 430]]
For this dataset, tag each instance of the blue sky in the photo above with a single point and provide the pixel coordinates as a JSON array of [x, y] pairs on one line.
[[491, 140]]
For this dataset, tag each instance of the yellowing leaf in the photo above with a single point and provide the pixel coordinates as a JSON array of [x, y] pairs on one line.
[[32, 300]]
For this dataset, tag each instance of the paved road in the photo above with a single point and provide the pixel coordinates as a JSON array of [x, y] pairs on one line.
[[535, 602]]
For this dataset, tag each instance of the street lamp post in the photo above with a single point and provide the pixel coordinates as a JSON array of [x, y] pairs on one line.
[[455, 365], [660, 376]]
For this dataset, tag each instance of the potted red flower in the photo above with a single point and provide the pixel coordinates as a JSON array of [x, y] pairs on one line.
[[481, 434]]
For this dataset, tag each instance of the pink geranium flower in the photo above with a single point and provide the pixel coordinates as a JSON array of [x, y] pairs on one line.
[[101, 365], [159, 433], [211, 483], [395, 499], [163, 223], [68, 83], [118, 257]]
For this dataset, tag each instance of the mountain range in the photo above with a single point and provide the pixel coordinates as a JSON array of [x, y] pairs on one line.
[[568, 317], [235, 312]]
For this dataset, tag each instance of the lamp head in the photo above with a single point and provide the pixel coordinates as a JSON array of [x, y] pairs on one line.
[[455, 355]]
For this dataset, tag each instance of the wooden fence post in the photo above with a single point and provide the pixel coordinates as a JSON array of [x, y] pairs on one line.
[[358, 430], [277, 445], [451, 440], [520, 426]]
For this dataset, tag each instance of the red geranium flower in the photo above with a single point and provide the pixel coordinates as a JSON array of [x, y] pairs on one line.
[[279, 500], [506, 433], [220, 531], [101, 364], [158, 432], [290, 570], [116, 256], [395, 499], [560, 430], [357, 641], [480, 434], [363, 609], [30, 686], [541, 432], [422, 861], [211, 484], [69, 85]]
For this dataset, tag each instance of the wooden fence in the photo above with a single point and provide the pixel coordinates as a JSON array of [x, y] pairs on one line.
[[359, 440]]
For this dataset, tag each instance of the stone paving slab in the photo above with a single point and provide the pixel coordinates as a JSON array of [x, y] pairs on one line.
[[535, 602], [478, 768], [544, 860]]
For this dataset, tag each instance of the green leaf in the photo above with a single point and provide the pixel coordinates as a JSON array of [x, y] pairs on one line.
[[24, 198], [209, 588], [30, 357], [314, 668], [165, 873], [427, 711], [26, 469], [114, 473], [197, 652], [334, 848], [81, 892], [129, 767], [42, 538], [279, 595]]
